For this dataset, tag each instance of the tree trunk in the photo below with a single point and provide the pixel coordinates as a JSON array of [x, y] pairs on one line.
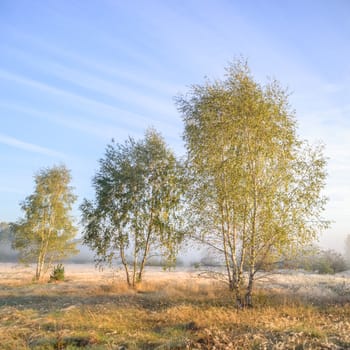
[[39, 264], [134, 266], [38, 270], [226, 252], [143, 261], [248, 298], [125, 264], [238, 297], [147, 246]]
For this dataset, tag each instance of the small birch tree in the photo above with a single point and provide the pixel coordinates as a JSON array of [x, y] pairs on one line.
[[257, 187], [138, 195], [45, 234]]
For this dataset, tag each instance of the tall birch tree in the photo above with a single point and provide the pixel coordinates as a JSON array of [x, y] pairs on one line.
[[257, 189]]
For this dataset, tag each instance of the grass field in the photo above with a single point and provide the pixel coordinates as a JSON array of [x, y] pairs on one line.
[[94, 309]]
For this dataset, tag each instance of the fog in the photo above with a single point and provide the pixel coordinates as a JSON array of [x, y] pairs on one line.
[[7, 254], [85, 255], [187, 256]]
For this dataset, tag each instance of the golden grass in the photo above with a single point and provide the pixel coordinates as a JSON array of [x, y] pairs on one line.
[[95, 310]]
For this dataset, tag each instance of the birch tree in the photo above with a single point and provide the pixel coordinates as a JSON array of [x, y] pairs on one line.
[[135, 213], [45, 234], [257, 189]]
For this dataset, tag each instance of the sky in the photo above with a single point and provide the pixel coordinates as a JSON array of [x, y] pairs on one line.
[[75, 74]]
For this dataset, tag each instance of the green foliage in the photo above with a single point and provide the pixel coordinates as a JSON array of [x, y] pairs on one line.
[[329, 261], [197, 265], [57, 273], [46, 232], [319, 260], [138, 194], [256, 188]]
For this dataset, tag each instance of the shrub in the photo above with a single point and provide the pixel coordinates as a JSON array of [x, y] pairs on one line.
[[210, 260], [196, 265], [331, 262], [57, 273], [321, 261]]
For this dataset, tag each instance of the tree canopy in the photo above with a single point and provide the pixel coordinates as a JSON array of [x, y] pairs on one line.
[[138, 194], [45, 234], [257, 189]]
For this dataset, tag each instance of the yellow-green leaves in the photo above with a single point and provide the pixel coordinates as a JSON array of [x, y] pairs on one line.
[[257, 188], [46, 232]]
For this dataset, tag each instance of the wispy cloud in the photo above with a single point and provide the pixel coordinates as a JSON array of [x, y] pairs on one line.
[[29, 147], [125, 92], [134, 76], [112, 112], [80, 124]]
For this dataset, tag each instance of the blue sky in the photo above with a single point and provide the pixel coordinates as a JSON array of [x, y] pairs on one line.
[[74, 74]]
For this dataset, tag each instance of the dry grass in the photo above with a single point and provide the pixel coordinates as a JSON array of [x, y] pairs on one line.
[[177, 310]]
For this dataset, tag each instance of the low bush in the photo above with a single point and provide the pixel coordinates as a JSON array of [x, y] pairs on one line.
[[57, 273]]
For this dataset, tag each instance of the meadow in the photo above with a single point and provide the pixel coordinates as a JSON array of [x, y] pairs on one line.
[[182, 309]]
